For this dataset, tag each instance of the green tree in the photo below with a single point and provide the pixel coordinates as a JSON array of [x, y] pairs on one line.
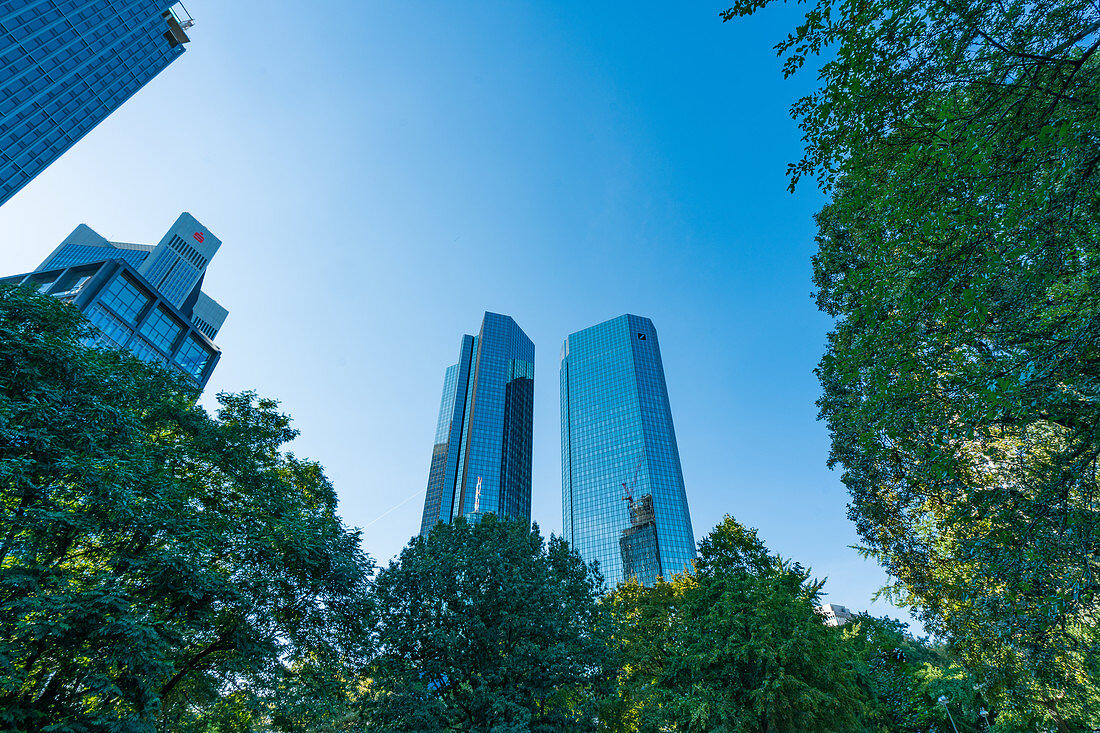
[[959, 143], [735, 647], [485, 627], [155, 563], [907, 677], [642, 620]]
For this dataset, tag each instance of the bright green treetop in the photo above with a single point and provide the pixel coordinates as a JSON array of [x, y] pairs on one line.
[[736, 647]]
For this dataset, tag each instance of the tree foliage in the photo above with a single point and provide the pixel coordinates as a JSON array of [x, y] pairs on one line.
[[162, 569], [736, 647], [156, 564], [907, 677], [486, 627], [959, 143]]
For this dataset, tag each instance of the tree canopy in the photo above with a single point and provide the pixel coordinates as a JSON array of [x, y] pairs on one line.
[[958, 142], [158, 566], [737, 646], [162, 569], [486, 627]]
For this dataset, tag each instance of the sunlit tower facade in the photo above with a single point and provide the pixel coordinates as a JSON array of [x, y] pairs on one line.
[[481, 460], [623, 498], [68, 64]]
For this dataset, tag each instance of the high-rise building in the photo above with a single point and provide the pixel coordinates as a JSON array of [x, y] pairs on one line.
[[834, 614], [481, 461], [67, 65], [144, 298], [623, 497]]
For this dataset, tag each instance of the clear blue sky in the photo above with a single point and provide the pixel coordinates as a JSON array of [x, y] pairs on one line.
[[382, 172]]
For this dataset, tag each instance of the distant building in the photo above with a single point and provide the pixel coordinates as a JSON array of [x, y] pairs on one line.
[[67, 66], [142, 298], [835, 615], [481, 461], [623, 497]]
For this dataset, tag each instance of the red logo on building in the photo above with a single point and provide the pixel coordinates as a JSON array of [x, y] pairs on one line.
[[199, 237]]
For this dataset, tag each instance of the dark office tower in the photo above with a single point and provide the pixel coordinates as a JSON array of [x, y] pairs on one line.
[[481, 462], [143, 298], [67, 64], [623, 498]]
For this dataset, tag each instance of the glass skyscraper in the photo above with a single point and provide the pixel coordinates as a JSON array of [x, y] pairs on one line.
[[481, 461], [65, 65], [143, 298], [623, 497]]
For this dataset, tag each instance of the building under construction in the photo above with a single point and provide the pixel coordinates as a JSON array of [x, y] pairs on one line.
[[638, 542]]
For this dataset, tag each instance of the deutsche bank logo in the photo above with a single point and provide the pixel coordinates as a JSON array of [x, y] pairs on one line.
[[199, 237]]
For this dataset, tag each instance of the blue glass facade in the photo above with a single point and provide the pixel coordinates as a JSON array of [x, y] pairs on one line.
[[622, 485], [108, 281], [481, 461], [65, 65]]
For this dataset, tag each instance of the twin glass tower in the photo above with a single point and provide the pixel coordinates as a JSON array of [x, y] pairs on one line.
[[623, 498], [481, 461]]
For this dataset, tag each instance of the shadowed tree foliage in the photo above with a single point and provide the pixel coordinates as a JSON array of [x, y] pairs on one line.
[[485, 627], [736, 647], [156, 564], [959, 142]]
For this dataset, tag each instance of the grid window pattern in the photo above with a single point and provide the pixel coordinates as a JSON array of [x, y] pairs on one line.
[[67, 65], [144, 350], [618, 442], [173, 273], [515, 454], [77, 285], [99, 340], [193, 357], [187, 252], [125, 298], [454, 483], [110, 330], [82, 254], [438, 500], [121, 307], [161, 329], [485, 428], [499, 342], [639, 546]]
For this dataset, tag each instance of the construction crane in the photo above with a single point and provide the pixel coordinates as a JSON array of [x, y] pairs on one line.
[[638, 544], [628, 491]]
